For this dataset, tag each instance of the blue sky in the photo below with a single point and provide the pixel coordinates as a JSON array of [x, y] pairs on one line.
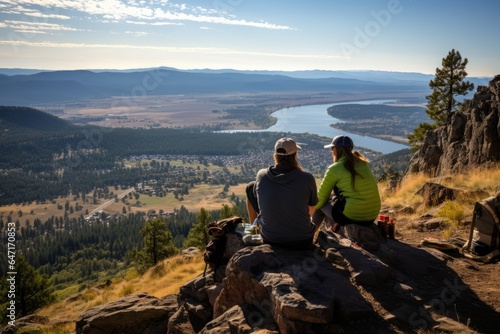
[[389, 35]]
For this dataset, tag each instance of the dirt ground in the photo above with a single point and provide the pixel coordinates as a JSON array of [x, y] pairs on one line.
[[464, 290]]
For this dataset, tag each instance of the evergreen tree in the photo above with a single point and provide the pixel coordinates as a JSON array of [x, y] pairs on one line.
[[198, 234], [227, 211], [158, 241], [448, 83], [32, 289]]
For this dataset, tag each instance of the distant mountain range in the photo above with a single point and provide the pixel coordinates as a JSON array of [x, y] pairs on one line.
[[31, 87]]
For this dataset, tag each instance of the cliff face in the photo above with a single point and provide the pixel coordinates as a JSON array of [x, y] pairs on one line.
[[470, 139]]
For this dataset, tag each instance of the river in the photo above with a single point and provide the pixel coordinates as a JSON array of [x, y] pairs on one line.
[[314, 119]]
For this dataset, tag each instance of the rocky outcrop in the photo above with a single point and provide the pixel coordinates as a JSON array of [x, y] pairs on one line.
[[337, 287], [138, 313], [470, 139]]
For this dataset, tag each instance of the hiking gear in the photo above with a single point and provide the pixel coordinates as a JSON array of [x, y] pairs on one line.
[[483, 243], [286, 146], [214, 251]]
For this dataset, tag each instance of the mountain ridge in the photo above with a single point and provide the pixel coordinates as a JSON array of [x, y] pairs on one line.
[[60, 86]]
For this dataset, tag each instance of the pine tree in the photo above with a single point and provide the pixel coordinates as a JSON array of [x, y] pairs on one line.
[[448, 82], [158, 241], [198, 234], [32, 289]]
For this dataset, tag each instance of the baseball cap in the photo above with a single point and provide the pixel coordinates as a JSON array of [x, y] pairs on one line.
[[340, 141], [286, 146]]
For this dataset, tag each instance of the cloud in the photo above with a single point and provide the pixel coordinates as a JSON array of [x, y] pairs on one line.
[[129, 11], [154, 23], [137, 33], [204, 50], [37, 27]]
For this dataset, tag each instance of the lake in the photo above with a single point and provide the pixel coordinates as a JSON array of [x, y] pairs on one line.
[[314, 119]]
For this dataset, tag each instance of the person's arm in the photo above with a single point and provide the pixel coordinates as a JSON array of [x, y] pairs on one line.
[[326, 187], [312, 209]]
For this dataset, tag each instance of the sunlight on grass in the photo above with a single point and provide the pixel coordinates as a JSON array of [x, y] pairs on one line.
[[127, 290], [88, 296], [131, 274], [405, 194], [453, 211]]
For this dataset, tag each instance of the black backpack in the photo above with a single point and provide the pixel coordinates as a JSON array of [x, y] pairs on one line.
[[483, 243], [214, 251]]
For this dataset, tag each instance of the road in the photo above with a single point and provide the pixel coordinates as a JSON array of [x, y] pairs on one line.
[[105, 204]]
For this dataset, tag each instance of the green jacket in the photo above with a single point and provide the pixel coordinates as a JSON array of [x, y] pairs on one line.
[[362, 201]]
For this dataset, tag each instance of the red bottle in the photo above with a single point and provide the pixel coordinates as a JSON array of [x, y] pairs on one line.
[[391, 228], [382, 226]]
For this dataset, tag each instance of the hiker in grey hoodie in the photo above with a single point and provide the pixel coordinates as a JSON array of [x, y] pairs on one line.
[[282, 199]]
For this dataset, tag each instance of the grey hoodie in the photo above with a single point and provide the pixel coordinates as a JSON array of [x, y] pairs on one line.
[[284, 198]]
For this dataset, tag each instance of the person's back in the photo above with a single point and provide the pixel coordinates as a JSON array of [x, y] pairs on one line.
[[284, 197], [362, 200], [348, 193]]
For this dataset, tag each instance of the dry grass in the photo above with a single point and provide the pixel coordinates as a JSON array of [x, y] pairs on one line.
[[487, 181], [479, 183]]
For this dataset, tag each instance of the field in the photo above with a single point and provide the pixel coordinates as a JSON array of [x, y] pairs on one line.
[[186, 110]]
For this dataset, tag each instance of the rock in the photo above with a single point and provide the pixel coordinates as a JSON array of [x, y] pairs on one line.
[[367, 237], [138, 313], [365, 268], [181, 322], [435, 194], [298, 288], [232, 321], [431, 224], [469, 139], [407, 209], [190, 252]]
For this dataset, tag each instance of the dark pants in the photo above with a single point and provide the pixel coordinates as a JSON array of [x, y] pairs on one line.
[[332, 212], [252, 198]]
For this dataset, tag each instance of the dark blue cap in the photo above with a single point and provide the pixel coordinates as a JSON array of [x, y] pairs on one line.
[[341, 141]]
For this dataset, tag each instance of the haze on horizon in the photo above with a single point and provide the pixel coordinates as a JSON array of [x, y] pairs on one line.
[[388, 35]]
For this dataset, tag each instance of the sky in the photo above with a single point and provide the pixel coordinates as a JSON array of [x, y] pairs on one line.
[[287, 35]]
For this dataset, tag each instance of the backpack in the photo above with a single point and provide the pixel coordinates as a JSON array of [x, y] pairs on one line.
[[214, 251], [483, 243]]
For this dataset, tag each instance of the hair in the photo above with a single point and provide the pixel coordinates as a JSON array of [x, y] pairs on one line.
[[289, 162], [351, 157]]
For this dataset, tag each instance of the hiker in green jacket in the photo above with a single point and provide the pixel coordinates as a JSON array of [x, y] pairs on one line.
[[348, 193]]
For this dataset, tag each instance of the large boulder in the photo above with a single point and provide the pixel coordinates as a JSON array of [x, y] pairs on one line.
[[299, 289], [138, 313]]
